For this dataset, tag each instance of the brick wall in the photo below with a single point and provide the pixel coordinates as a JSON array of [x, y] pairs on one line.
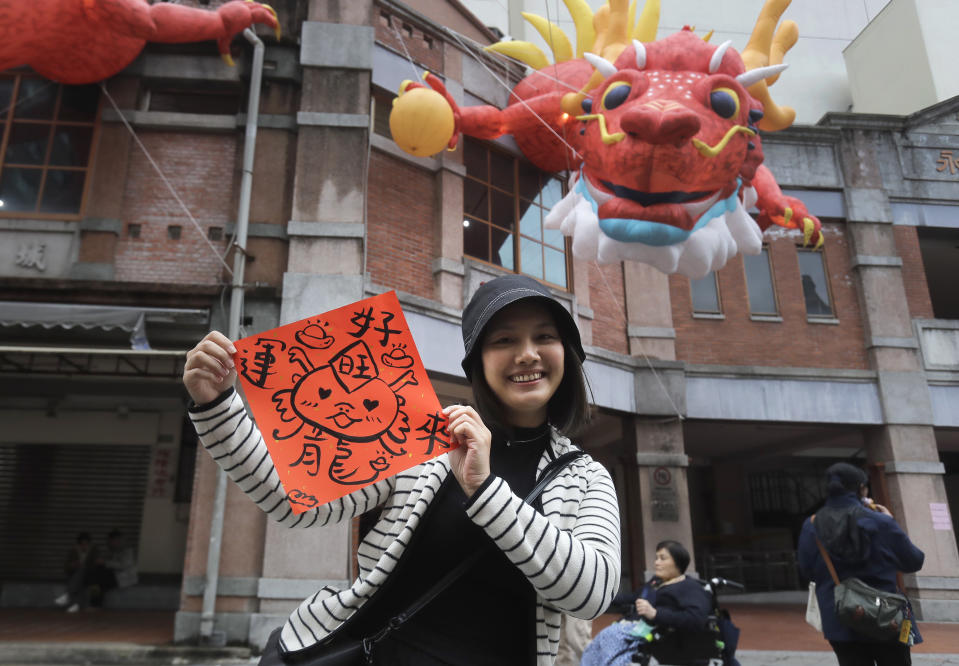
[[423, 48], [202, 170], [607, 298], [913, 272], [401, 214], [793, 342]]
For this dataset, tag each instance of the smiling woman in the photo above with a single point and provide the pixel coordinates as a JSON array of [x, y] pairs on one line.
[[529, 562]]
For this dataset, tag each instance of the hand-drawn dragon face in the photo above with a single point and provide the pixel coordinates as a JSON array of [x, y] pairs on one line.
[[666, 141], [323, 400]]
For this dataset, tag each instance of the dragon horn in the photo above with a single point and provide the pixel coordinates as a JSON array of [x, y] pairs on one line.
[[717, 58], [640, 54], [756, 75], [600, 64]]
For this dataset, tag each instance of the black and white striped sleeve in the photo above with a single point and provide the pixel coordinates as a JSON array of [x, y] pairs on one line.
[[577, 570], [233, 439]]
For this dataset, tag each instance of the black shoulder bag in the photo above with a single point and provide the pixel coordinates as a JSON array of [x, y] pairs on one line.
[[354, 651]]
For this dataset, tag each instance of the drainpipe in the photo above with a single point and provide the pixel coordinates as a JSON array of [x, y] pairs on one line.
[[236, 307]]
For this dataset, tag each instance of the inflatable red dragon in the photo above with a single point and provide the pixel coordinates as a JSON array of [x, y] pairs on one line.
[[662, 137], [84, 41]]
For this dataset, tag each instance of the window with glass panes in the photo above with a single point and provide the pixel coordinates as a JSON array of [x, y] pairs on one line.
[[815, 286], [759, 284], [705, 295], [505, 201], [46, 137]]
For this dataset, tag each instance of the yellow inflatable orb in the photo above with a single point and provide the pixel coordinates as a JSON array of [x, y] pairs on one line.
[[421, 122]]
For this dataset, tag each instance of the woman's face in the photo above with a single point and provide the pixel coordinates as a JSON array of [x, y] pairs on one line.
[[665, 566], [523, 358]]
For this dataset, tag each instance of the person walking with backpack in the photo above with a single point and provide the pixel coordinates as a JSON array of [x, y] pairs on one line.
[[862, 541]]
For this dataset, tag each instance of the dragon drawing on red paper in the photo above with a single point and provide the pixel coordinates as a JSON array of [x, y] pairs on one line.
[[84, 41], [661, 135]]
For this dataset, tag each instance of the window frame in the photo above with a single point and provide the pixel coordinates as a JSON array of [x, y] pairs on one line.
[[831, 317], [764, 316], [6, 128], [517, 199]]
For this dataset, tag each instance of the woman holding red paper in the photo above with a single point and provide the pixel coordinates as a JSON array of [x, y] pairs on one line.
[[523, 357]]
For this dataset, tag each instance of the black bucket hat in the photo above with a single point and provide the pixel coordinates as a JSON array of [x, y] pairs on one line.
[[499, 292]]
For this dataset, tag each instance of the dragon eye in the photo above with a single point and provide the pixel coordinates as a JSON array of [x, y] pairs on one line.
[[724, 102], [616, 95]]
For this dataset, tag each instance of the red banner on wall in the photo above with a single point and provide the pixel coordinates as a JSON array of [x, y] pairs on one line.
[[342, 400]]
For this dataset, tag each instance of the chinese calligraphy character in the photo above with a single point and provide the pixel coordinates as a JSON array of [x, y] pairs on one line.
[[436, 432], [354, 366], [947, 161], [263, 362], [385, 329], [310, 455], [30, 255], [362, 321]]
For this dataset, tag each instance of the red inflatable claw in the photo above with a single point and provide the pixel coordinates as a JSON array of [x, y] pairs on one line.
[[84, 41]]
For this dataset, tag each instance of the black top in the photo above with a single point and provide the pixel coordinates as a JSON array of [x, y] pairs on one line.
[[493, 599], [683, 605]]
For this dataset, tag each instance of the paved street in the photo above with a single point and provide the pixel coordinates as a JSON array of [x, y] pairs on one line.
[[769, 658], [772, 635], [120, 654], [746, 658]]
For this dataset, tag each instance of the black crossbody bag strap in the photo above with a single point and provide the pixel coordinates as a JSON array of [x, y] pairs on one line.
[[550, 472]]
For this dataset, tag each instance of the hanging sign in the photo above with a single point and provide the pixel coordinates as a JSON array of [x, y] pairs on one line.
[[342, 400]]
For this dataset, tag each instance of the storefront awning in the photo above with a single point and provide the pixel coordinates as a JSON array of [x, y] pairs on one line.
[[67, 361], [106, 317]]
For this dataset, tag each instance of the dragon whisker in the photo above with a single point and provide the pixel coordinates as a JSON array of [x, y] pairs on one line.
[[712, 151], [608, 138]]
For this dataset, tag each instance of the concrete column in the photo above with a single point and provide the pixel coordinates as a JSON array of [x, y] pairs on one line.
[[661, 481], [905, 445], [661, 471], [328, 226], [325, 269], [650, 313], [448, 268]]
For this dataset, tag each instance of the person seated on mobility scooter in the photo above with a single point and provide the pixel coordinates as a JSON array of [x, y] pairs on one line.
[[674, 618]]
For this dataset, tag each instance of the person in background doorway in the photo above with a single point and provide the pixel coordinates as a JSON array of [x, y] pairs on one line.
[[119, 561], [79, 568]]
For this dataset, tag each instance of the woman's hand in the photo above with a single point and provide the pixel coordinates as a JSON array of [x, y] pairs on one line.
[[645, 609], [470, 461], [209, 370], [881, 509], [876, 507]]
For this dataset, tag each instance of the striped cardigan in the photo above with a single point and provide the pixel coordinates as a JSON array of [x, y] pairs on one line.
[[571, 555]]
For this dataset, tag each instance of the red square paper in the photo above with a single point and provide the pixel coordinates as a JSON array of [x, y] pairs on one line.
[[342, 399]]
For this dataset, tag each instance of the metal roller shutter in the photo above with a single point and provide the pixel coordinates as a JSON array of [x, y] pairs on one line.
[[50, 492]]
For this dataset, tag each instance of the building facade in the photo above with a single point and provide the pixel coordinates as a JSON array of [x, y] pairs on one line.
[[718, 402]]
